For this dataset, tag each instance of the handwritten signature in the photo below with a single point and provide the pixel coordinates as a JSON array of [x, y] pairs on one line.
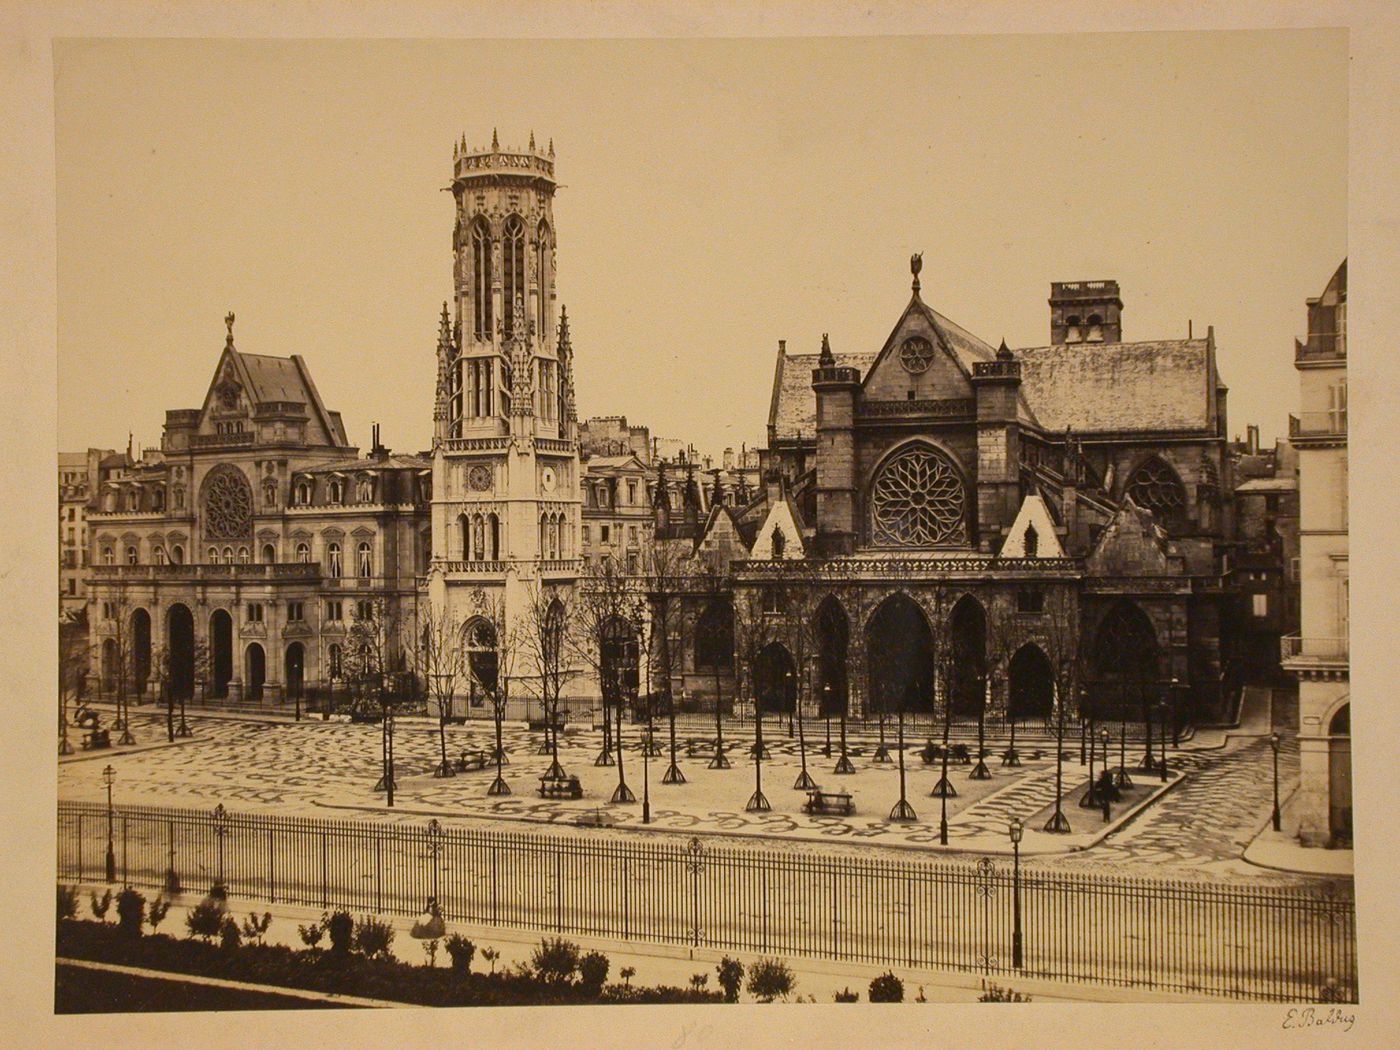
[[1311, 1017], [701, 1032]]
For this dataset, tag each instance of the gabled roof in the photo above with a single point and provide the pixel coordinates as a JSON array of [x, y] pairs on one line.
[[266, 379], [1164, 385], [793, 410], [358, 464], [601, 463]]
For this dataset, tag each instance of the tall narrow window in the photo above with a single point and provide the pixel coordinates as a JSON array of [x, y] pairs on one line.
[[1337, 407], [488, 386], [366, 560], [334, 565], [303, 553], [542, 276], [481, 281], [494, 534], [512, 269]]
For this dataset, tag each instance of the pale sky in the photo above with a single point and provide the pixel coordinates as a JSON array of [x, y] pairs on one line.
[[716, 196]]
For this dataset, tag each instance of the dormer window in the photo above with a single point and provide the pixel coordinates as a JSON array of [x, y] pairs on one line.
[[364, 490], [335, 491], [303, 491], [1032, 541]]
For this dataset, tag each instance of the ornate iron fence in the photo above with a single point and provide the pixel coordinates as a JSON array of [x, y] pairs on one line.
[[1251, 943]]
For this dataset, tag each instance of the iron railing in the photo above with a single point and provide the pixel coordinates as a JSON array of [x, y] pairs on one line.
[[1301, 647], [1193, 937]]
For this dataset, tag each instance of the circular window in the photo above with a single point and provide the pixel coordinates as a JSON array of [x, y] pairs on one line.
[[228, 503], [916, 355], [918, 501], [479, 478]]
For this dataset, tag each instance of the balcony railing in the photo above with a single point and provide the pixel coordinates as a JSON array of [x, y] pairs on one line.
[[244, 437], [1299, 647], [279, 570], [897, 567], [477, 567], [1317, 424]]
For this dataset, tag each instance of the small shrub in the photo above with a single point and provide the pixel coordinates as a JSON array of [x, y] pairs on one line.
[[205, 919], [698, 981], [312, 932], [229, 937], [770, 979], [131, 912], [218, 893], [627, 973], [341, 927], [555, 960], [100, 905], [593, 970], [887, 988], [156, 913], [461, 951], [731, 977], [68, 902], [430, 949], [846, 996], [491, 955], [373, 938], [254, 928], [995, 993]]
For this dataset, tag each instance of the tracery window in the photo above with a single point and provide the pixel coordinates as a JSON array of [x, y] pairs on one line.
[[916, 355], [228, 503], [481, 280], [918, 500], [1156, 487], [512, 269]]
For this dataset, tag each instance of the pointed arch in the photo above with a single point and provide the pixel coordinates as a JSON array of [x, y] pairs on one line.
[[967, 669], [480, 238], [714, 636], [140, 649], [833, 651], [775, 679], [899, 656], [1031, 684], [493, 534], [1124, 660], [254, 671], [1156, 486], [544, 244], [512, 269]]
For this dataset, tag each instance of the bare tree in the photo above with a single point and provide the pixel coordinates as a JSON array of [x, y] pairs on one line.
[[74, 660], [440, 660], [542, 637], [368, 663], [665, 569], [715, 628], [603, 607], [493, 642], [1003, 639]]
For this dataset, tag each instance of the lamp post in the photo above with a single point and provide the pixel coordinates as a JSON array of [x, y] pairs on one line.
[[804, 781], [1274, 741], [109, 776], [791, 692], [1015, 829], [220, 830], [1162, 722], [843, 764], [1176, 715], [1108, 793], [758, 802], [1121, 778], [826, 716], [1089, 801], [443, 680], [435, 849]]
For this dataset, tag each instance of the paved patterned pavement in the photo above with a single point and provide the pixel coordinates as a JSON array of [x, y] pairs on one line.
[[1199, 828]]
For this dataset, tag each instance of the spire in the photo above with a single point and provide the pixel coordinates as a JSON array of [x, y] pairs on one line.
[[717, 493], [566, 363], [495, 142], [444, 328], [464, 142], [532, 140], [916, 263], [827, 359], [446, 351], [551, 147], [565, 347], [228, 323], [1004, 352], [661, 497], [455, 151]]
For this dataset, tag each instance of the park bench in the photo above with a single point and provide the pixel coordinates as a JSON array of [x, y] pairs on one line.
[[829, 802], [931, 753], [96, 737], [699, 748], [470, 760], [961, 754], [569, 787]]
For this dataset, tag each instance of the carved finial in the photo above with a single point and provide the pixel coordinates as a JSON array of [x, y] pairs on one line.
[[228, 323], [827, 359], [551, 147], [1004, 352], [495, 142], [916, 263], [455, 151], [532, 140], [563, 341]]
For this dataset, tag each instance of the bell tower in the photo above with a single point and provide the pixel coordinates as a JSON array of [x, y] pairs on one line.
[[506, 501]]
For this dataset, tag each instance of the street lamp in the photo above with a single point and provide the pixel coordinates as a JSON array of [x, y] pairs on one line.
[[792, 694], [646, 774], [826, 716], [844, 765], [1274, 741], [1162, 722], [1015, 829], [220, 830], [758, 802], [1108, 785], [804, 780], [109, 776], [1088, 801], [1176, 715]]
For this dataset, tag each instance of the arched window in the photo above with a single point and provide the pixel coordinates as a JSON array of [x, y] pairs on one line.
[[1032, 543], [158, 554], [364, 490], [493, 524], [918, 500], [109, 501], [1095, 329], [366, 560], [481, 280], [303, 552], [243, 556], [269, 493], [1154, 486], [542, 247], [228, 555], [303, 492], [714, 637], [132, 557], [157, 499], [334, 566], [1072, 329], [333, 655], [177, 555], [512, 269], [213, 555], [464, 531], [478, 538], [269, 554], [133, 499], [108, 556], [335, 491]]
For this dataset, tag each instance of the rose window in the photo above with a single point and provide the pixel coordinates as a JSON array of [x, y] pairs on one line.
[[916, 355], [918, 501], [479, 478], [228, 504]]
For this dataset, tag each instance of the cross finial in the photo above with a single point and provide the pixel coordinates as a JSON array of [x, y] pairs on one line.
[[228, 323]]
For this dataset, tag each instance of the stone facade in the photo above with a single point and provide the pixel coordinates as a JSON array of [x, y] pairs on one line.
[[1319, 654], [77, 481]]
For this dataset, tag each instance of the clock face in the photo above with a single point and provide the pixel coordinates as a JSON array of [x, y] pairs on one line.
[[547, 479]]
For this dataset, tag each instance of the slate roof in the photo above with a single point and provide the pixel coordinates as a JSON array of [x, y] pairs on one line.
[[794, 406], [360, 463], [1119, 386], [1269, 485]]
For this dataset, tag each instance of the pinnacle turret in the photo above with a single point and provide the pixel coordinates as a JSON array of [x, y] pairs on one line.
[[827, 359]]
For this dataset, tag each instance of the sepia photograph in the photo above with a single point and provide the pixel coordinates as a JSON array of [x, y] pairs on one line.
[[696, 520]]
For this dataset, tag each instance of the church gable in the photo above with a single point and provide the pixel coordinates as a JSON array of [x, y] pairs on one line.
[[1032, 534], [1131, 545], [917, 357], [779, 536]]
